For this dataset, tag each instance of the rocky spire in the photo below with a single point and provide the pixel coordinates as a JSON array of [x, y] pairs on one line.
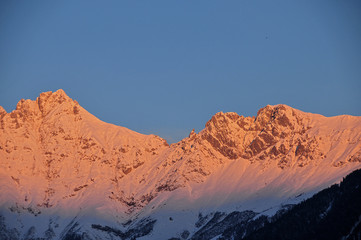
[[2, 110], [192, 134]]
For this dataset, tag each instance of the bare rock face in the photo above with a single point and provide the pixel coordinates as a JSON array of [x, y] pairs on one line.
[[278, 133], [224, 131], [235, 136], [55, 141]]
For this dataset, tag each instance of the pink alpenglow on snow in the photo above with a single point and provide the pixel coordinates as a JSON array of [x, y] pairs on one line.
[[58, 163]]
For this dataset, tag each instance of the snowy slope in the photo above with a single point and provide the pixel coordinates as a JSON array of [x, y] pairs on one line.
[[62, 170]]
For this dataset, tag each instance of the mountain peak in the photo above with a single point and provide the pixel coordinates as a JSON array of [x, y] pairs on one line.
[[58, 96], [49, 100], [2, 110], [234, 136], [44, 104], [60, 92], [281, 113]]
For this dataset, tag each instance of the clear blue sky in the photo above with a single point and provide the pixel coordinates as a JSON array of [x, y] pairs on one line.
[[165, 67]]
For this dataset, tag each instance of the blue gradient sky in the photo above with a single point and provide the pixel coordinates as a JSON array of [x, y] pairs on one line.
[[165, 67]]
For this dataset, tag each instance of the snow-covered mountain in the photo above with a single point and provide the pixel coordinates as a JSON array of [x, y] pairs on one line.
[[64, 174]]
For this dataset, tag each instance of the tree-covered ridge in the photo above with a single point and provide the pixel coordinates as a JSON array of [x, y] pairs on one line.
[[333, 213]]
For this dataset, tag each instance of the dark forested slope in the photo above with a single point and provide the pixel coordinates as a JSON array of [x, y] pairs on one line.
[[333, 213]]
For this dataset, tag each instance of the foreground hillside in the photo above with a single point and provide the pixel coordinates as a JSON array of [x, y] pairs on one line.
[[66, 174], [333, 213]]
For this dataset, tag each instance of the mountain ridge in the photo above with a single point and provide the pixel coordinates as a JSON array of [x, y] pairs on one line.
[[59, 160]]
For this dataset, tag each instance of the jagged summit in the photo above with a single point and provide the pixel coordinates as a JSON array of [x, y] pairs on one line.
[[46, 102], [280, 113], [235, 136]]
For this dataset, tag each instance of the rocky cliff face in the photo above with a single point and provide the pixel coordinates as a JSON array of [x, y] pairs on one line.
[[278, 134], [56, 159], [56, 145]]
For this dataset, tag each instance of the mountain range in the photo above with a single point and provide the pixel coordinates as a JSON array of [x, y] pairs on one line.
[[65, 174]]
